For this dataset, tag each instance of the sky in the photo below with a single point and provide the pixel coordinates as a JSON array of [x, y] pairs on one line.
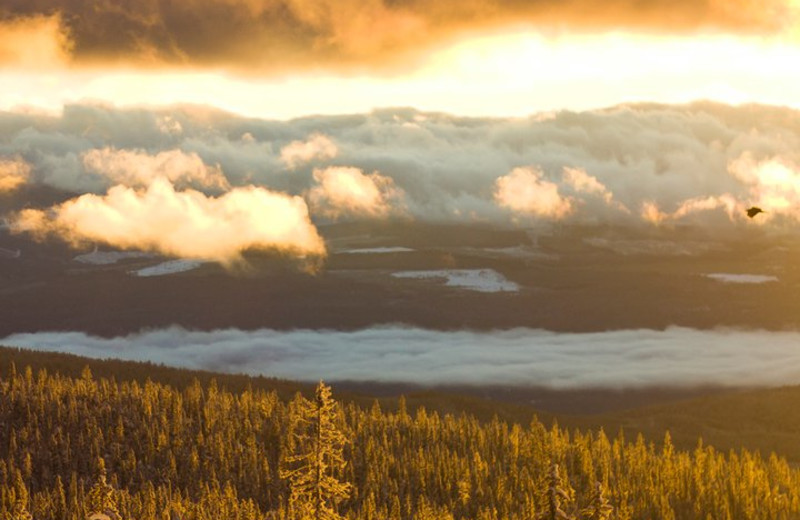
[[203, 129], [280, 59], [246, 124]]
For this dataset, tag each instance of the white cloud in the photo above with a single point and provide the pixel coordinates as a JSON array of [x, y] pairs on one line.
[[525, 191], [135, 168], [346, 191], [317, 147], [525, 357]]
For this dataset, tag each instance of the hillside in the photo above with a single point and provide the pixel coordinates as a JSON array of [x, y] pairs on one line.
[[200, 450]]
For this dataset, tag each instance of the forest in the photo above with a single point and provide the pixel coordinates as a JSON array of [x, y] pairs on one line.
[[74, 446]]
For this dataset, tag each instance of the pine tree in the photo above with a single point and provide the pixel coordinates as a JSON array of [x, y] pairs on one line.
[[315, 444]]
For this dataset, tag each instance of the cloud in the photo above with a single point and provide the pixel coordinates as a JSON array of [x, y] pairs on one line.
[[701, 163], [262, 35], [674, 357], [136, 168], [298, 152], [525, 191], [735, 210], [342, 191], [185, 224], [774, 183], [13, 174], [37, 41]]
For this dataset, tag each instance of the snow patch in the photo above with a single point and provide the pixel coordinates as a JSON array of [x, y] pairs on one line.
[[10, 253], [654, 247], [516, 252], [482, 280], [169, 267], [377, 250], [742, 278], [110, 257]]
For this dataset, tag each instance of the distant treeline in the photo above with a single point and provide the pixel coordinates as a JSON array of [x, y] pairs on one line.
[[152, 451]]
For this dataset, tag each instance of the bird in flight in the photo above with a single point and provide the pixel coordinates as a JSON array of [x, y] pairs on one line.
[[755, 210]]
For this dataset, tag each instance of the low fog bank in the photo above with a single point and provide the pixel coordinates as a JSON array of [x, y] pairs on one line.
[[628, 359]]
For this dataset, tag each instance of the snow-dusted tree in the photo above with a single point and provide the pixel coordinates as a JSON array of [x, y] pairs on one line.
[[599, 508], [557, 498], [102, 505], [314, 459]]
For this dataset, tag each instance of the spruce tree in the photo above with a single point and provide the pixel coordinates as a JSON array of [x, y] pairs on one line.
[[556, 496], [315, 459], [599, 508], [19, 511], [102, 503]]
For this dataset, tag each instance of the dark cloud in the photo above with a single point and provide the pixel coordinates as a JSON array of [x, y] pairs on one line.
[[281, 34]]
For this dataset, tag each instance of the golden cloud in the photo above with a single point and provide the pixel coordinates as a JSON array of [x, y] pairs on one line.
[[525, 191], [13, 174], [262, 35], [186, 224], [347, 191], [37, 42], [774, 183]]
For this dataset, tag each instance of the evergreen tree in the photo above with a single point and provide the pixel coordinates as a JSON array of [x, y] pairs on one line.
[[316, 444], [599, 508], [101, 497], [556, 495], [19, 510]]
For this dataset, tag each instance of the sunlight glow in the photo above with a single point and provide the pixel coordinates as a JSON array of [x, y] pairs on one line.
[[496, 75]]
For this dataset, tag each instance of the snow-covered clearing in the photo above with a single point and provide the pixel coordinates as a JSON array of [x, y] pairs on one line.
[[482, 280], [742, 278]]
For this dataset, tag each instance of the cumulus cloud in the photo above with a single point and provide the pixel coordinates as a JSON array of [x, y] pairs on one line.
[[13, 174], [299, 152], [525, 191], [135, 168], [524, 357], [35, 41], [186, 223], [347, 191], [292, 34]]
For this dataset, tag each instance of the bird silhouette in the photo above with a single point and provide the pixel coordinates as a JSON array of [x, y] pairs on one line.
[[755, 210]]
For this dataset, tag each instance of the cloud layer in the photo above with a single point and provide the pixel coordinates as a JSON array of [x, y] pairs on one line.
[[523, 357], [292, 34], [701, 164]]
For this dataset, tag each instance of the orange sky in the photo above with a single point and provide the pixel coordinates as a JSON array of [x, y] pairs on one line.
[[506, 59]]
